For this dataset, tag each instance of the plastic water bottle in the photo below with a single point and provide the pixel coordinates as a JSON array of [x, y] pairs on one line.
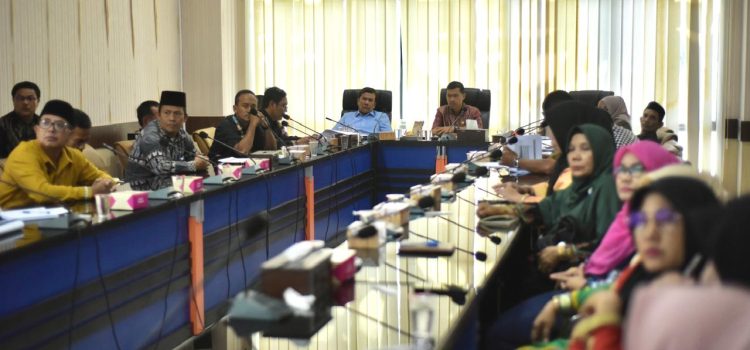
[[401, 129]]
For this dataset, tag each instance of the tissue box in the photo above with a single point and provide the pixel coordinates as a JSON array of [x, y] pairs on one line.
[[234, 171], [310, 274], [342, 264], [187, 184], [128, 200]]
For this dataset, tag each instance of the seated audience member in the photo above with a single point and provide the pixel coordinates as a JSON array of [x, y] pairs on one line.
[[681, 315], [666, 225], [81, 125], [366, 120], [245, 130], [164, 147], [558, 123], [652, 128], [79, 138], [456, 112], [18, 125], [615, 106], [615, 249], [147, 112], [538, 166], [44, 170], [274, 107]]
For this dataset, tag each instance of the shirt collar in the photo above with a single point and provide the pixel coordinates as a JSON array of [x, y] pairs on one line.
[[64, 161], [370, 113]]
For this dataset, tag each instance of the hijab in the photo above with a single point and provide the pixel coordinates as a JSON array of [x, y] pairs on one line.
[[561, 119], [591, 201], [617, 110], [617, 245]]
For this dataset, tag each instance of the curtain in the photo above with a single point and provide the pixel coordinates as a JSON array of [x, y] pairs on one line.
[[643, 50]]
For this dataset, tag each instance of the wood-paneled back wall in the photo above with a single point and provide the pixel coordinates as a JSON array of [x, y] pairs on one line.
[[103, 56]]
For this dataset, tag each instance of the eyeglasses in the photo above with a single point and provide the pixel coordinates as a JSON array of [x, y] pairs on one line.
[[25, 98], [636, 169], [58, 125], [663, 217]]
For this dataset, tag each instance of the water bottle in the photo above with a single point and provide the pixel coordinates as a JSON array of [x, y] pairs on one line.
[[401, 129]]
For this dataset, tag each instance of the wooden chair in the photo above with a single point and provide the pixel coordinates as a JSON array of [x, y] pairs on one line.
[[204, 144], [125, 148]]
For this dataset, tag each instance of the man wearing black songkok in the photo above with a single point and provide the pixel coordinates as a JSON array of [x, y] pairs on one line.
[[164, 148]]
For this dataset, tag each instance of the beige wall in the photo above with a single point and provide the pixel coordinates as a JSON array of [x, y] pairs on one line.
[[103, 56], [213, 54]]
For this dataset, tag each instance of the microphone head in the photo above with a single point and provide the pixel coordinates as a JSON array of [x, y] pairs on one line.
[[286, 116], [256, 224], [426, 202], [513, 140], [481, 171], [495, 239], [459, 177], [520, 131], [253, 110], [496, 155], [203, 134], [285, 123], [481, 256], [367, 231]]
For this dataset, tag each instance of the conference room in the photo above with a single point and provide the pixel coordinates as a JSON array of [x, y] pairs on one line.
[[373, 174]]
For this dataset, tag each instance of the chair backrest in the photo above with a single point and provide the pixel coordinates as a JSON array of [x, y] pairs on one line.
[[383, 101], [204, 144], [479, 98], [104, 159], [590, 97], [125, 148]]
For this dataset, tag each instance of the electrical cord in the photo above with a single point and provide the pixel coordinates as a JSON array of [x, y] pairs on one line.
[[106, 293], [239, 238], [75, 287], [169, 282]]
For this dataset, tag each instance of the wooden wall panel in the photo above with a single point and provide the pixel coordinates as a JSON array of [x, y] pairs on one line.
[[64, 60], [102, 56]]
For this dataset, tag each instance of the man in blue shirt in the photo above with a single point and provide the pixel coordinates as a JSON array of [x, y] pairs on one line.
[[366, 120]]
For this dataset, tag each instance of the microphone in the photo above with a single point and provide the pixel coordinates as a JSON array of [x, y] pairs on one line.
[[496, 155], [518, 132], [347, 126], [459, 177], [286, 124], [205, 135], [367, 231], [481, 171], [455, 293], [479, 255]]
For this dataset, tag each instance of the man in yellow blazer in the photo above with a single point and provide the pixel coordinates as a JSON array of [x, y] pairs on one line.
[[44, 170]]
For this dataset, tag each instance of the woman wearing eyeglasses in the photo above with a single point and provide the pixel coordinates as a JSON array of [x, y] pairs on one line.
[[666, 240], [44, 170], [631, 162]]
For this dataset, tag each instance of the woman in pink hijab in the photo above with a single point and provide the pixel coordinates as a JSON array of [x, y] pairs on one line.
[[617, 247]]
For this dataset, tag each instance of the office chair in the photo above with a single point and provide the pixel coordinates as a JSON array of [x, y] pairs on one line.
[[590, 97], [383, 101], [479, 98]]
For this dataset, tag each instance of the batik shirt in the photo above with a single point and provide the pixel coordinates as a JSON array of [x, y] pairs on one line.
[[13, 130], [156, 156]]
